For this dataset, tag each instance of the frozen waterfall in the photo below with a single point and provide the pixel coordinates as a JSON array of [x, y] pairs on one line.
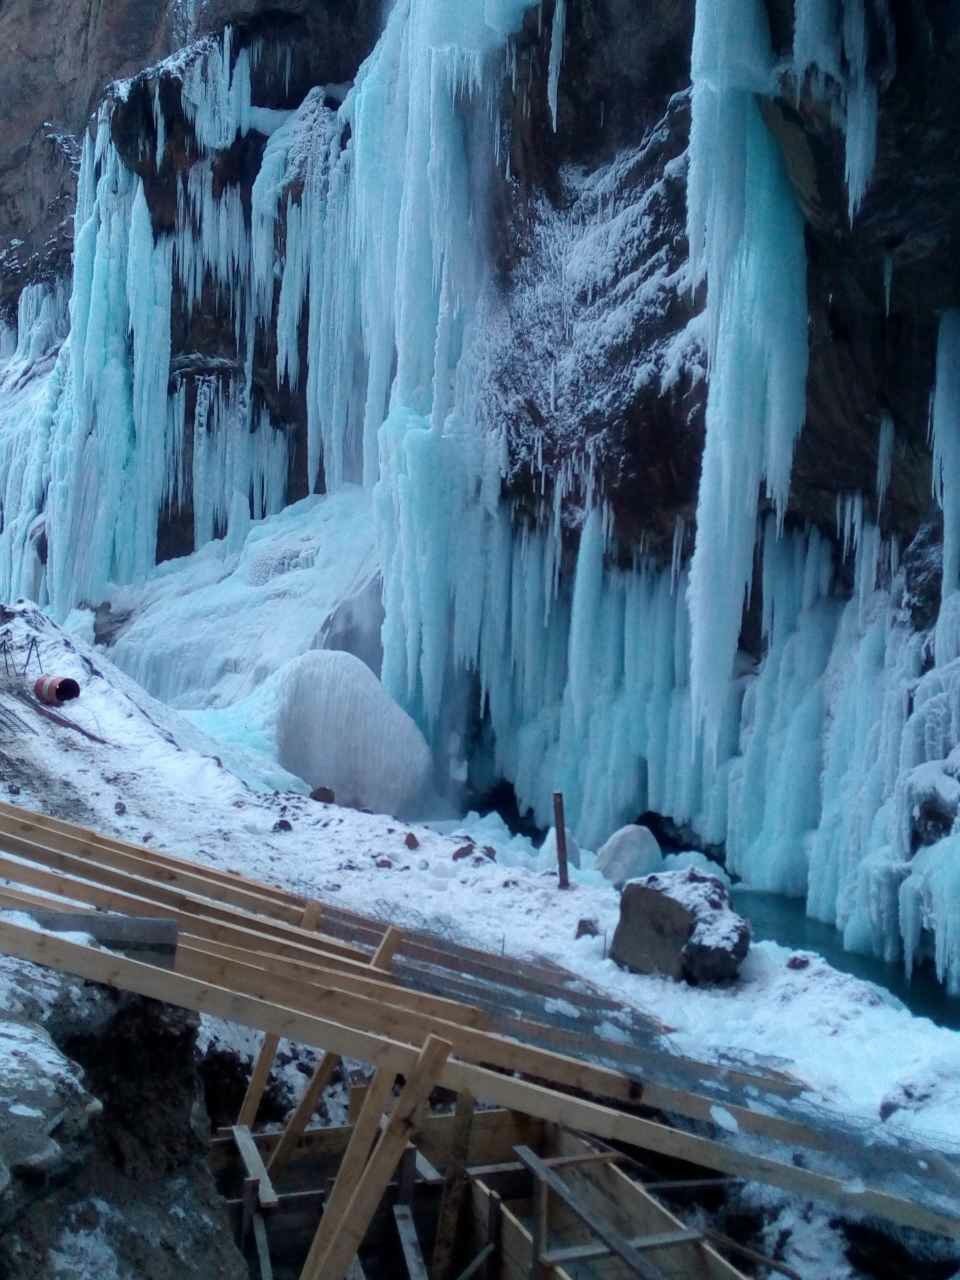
[[360, 256]]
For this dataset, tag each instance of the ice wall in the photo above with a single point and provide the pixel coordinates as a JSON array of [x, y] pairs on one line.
[[361, 254]]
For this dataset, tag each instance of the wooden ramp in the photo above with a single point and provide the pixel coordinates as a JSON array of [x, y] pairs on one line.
[[260, 956]]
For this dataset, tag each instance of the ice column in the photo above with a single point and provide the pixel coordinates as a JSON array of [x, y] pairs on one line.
[[745, 231]]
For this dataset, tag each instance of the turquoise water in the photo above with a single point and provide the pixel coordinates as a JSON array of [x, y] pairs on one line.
[[779, 919]]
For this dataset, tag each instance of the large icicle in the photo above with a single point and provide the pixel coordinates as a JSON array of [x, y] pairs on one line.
[[745, 230]]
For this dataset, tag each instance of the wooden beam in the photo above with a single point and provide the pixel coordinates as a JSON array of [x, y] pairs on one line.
[[409, 1242], [394, 1018], [77, 889], [454, 1188], [263, 1247], [508, 1091], [380, 987], [631, 1208], [44, 822], [321, 1077], [351, 1167], [388, 948], [258, 1080], [169, 895], [255, 1167], [402, 1023], [590, 1252], [346, 1232], [139, 863], [615, 1242], [311, 915]]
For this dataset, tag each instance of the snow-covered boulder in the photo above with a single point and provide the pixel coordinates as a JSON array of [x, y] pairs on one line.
[[338, 727], [680, 924], [631, 852]]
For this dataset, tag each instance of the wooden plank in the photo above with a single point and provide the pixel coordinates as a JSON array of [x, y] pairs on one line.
[[245, 935], [514, 1242], [589, 1252], [493, 1133], [478, 1045], [454, 1189], [612, 1192], [94, 853], [45, 822], [305, 1108], [603, 1230], [352, 979], [311, 915], [409, 1242], [152, 938], [351, 1168], [389, 946], [541, 1228], [263, 1247], [255, 1167], [388, 1019], [508, 1091], [171, 896], [258, 1080], [347, 1230]]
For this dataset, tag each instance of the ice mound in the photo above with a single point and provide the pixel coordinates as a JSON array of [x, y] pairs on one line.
[[337, 727]]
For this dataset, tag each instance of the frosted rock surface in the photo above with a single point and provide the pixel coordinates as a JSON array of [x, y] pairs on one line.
[[337, 727], [629, 853]]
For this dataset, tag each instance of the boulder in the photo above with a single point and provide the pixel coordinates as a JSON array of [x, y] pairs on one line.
[[680, 924], [630, 853], [337, 727]]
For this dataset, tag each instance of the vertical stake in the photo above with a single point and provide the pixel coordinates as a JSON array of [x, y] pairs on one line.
[[560, 827]]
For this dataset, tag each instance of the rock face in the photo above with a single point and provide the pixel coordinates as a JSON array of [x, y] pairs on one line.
[[630, 853], [679, 924], [103, 1165]]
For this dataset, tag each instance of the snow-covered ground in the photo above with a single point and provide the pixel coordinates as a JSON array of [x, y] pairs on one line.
[[142, 771]]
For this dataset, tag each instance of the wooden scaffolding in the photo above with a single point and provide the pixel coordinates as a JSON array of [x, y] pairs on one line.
[[299, 969]]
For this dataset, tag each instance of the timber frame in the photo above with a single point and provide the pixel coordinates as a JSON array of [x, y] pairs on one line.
[[346, 985]]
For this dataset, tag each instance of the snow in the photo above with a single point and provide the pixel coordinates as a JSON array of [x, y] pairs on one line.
[[202, 631], [176, 796]]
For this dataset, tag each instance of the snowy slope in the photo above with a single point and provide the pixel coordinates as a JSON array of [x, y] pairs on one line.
[[148, 775]]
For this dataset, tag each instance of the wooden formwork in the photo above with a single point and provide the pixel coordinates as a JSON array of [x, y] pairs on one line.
[[260, 956]]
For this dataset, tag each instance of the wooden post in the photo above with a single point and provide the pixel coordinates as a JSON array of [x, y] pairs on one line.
[[258, 1080], [347, 1229], [388, 948], [560, 827], [351, 1167], [453, 1189]]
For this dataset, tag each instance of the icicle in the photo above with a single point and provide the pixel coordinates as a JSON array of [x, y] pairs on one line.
[[556, 60], [885, 445], [744, 229], [887, 282], [946, 445]]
